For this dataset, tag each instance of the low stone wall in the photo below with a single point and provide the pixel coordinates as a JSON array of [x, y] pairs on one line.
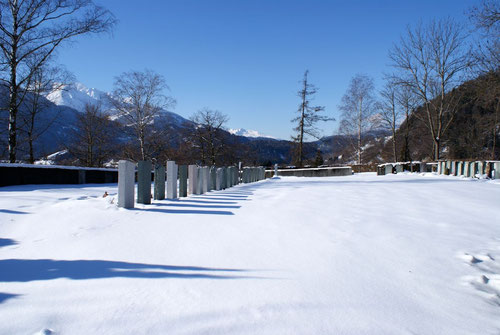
[[399, 167], [313, 172], [23, 174], [471, 169]]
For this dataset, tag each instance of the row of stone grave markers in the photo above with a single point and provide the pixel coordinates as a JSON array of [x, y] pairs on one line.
[[389, 168], [201, 179], [489, 169]]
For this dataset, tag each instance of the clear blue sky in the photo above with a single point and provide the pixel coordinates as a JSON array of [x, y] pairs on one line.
[[246, 58]]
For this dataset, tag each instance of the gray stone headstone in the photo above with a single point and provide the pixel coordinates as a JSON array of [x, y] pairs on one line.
[[193, 178], [496, 171], [159, 183], [276, 170], [199, 184], [399, 168], [380, 170], [171, 180], [228, 177], [206, 179], [473, 169], [126, 184], [465, 169], [218, 179], [213, 178], [388, 168], [224, 178], [480, 168], [183, 173], [144, 182]]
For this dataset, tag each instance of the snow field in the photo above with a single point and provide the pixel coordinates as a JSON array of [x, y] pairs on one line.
[[396, 254]]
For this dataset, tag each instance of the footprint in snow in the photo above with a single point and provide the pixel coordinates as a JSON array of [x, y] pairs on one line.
[[45, 331], [488, 280]]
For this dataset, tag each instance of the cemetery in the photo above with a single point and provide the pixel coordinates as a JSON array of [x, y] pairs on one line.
[[202, 243], [249, 167]]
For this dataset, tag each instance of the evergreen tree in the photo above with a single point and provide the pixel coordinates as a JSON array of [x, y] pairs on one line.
[[307, 119]]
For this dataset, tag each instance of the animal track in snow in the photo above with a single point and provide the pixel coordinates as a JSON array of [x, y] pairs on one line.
[[487, 280]]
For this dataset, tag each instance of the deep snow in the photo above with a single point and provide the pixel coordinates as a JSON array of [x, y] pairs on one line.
[[363, 254]]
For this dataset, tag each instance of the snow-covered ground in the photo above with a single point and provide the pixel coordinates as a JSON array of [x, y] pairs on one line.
[[363, 254]]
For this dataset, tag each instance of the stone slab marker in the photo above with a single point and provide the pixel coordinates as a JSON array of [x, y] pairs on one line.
[[205, 171], [199, 184], [472, 169], [466, 169], [213, 178], [388, 168], [144, 182], [159, 186], [480, 168], [193, 178], [223, 179], [183, 173], [496, 167], [218, 179], [171, 180], [460, 169], [230, 176], [276, 170], [126, 184]]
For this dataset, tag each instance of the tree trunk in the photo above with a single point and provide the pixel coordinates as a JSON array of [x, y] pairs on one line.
[[13, 116], [436, 149], [32, 155], [495, 126], [359, 132], [394, 151]]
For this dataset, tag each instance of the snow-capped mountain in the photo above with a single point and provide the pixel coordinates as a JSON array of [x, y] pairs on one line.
[[247, 133], [78, 95]]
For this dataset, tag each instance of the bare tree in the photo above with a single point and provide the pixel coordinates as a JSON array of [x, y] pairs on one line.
[[406, 101], [307, 119], [357, 108], [389, 111], [208, 135], [431, 60], [30, 31], [94, 137], [487, 16], [45, 79], [139, 99], [486, 19]]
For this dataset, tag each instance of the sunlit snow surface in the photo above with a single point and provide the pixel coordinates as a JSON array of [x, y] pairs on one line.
[[364, 254]]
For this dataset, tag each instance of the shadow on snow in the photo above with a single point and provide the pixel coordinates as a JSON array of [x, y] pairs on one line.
[[4, 242], [6, 296], [10, 211], [26, 270]]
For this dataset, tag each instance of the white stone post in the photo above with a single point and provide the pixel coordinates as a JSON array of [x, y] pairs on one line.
[[205, 171], [172, 170], [218, 179], [199, 187], [193, 178], [126, 184]]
